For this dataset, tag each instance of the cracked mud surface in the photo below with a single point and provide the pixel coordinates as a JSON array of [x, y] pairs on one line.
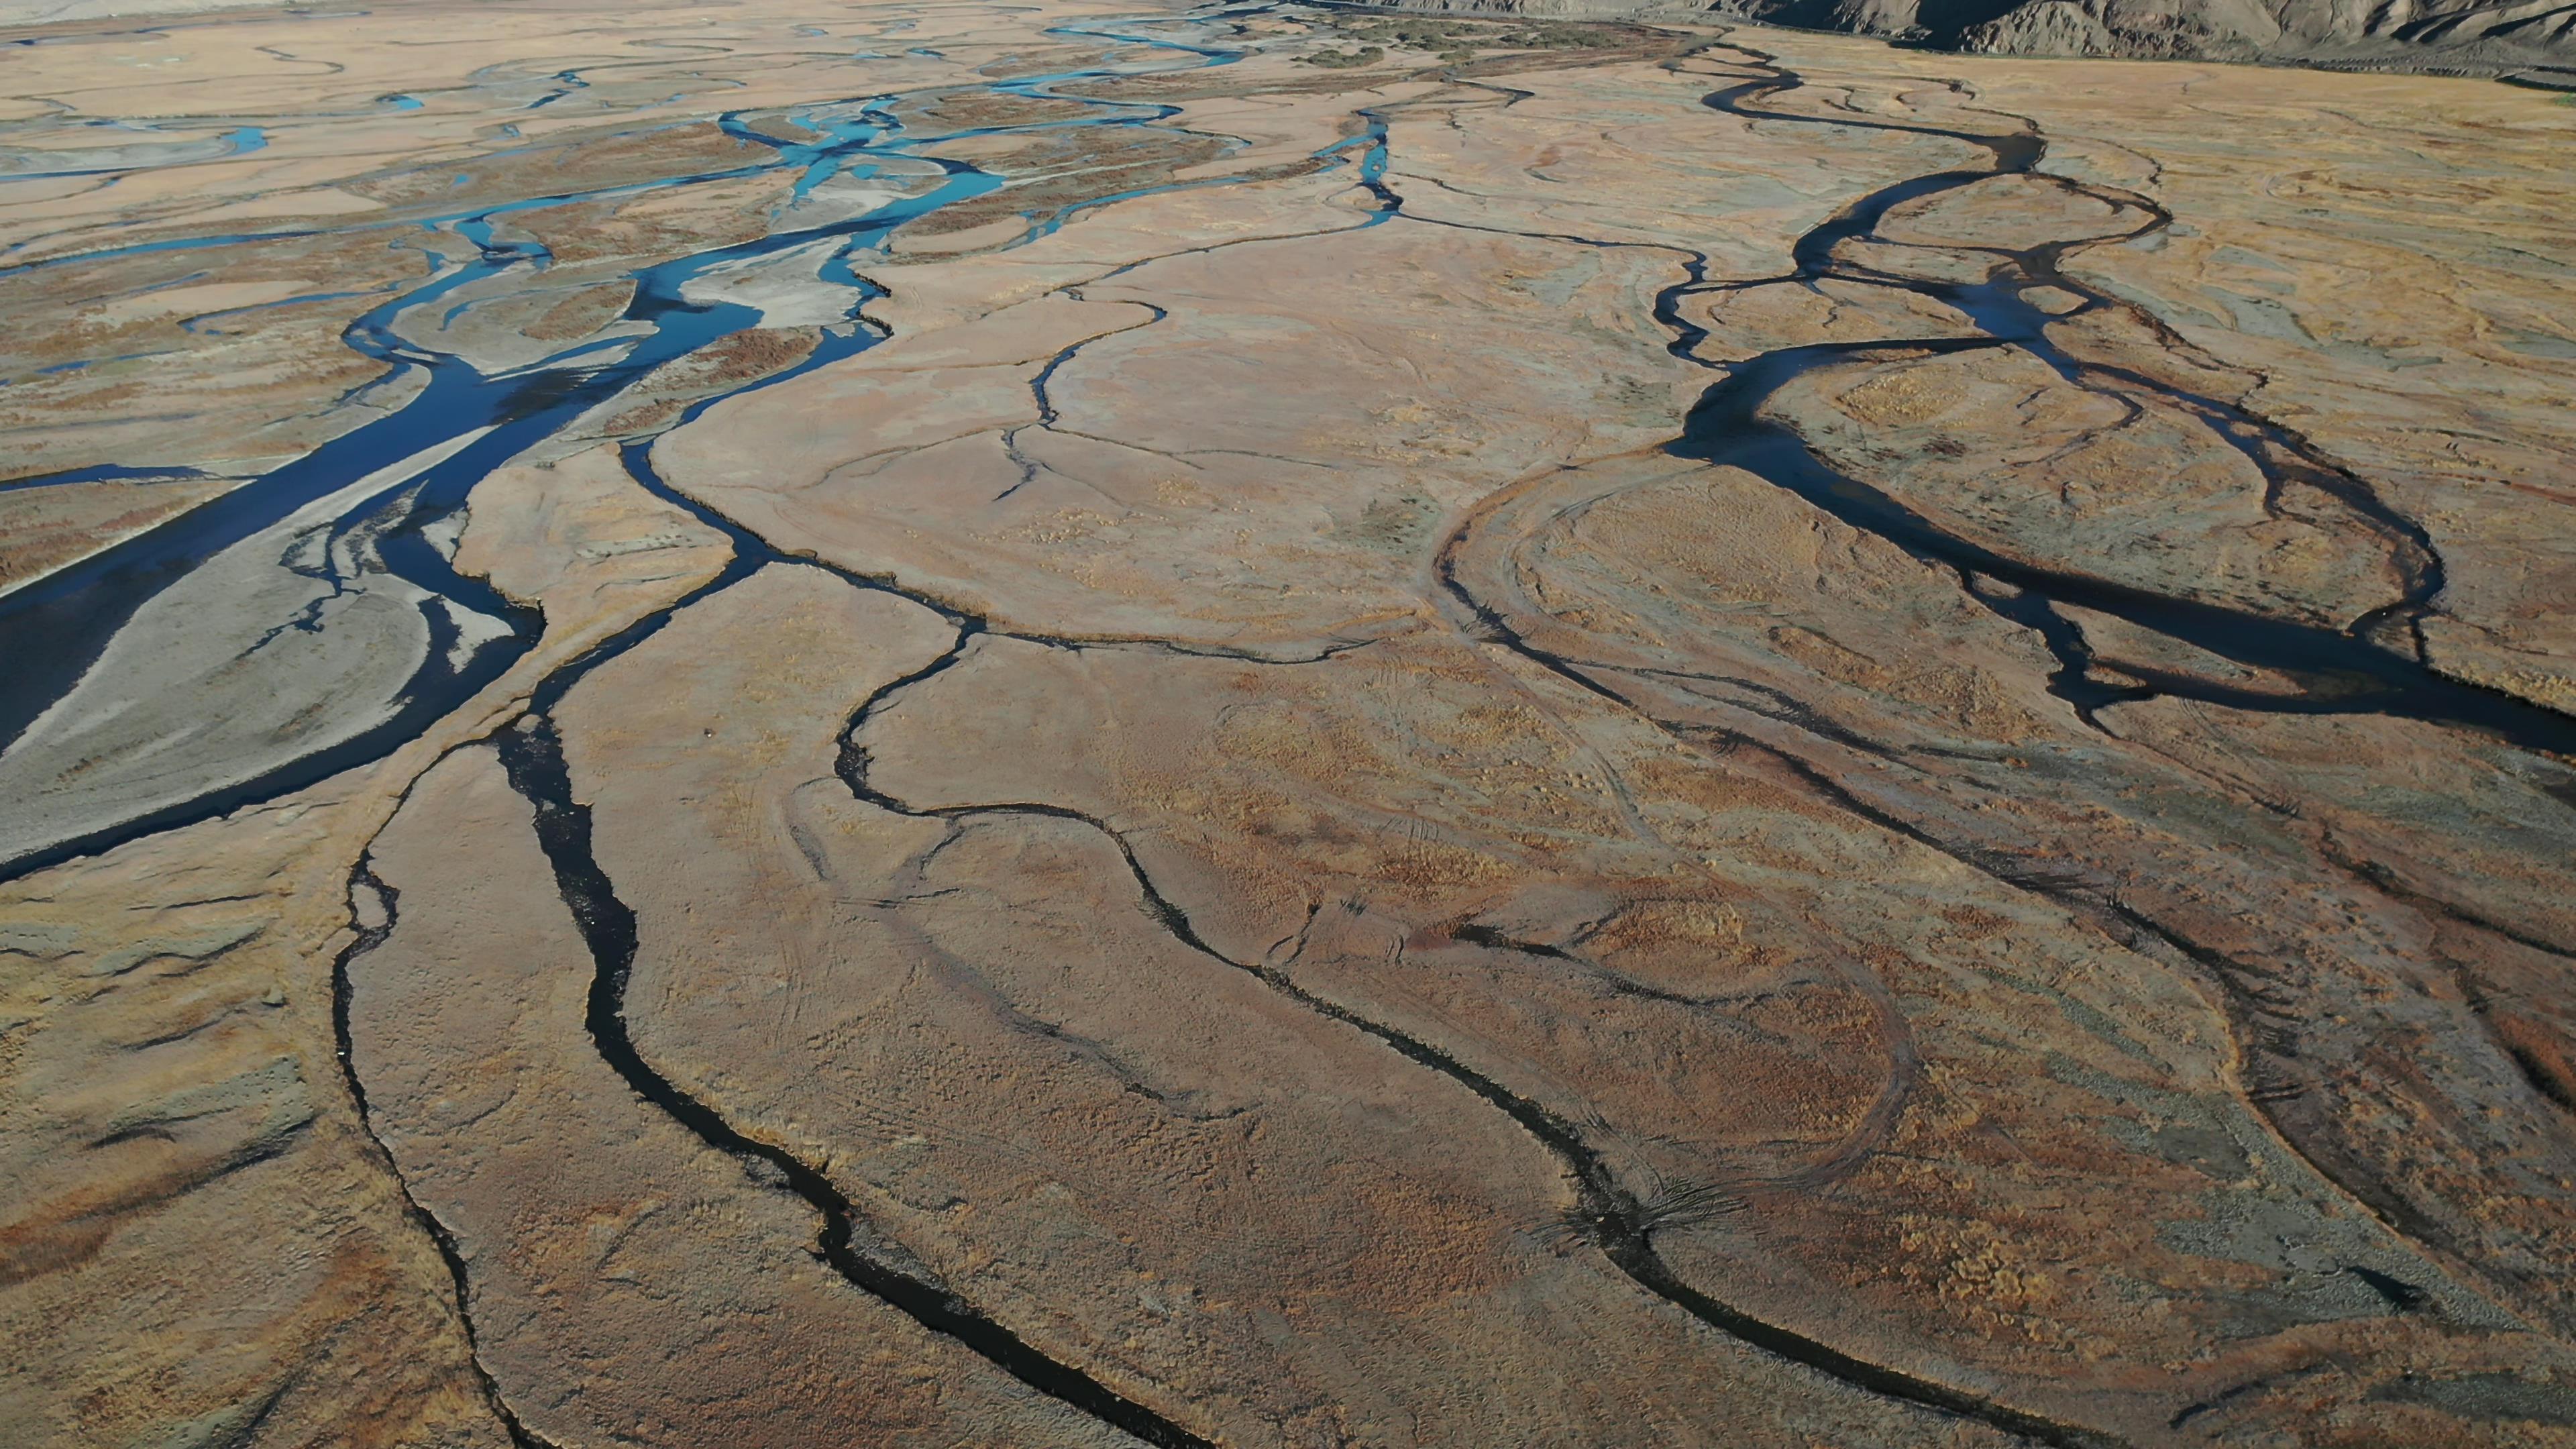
[[933, 725]]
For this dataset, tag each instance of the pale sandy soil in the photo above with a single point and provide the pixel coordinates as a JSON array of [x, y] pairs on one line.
[[1587, 790]]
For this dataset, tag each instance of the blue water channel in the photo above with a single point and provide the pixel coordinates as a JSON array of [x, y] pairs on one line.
[[154, 155], [52, 630]]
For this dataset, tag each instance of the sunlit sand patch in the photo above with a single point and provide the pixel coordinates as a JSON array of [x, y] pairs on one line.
[[1277, 728]]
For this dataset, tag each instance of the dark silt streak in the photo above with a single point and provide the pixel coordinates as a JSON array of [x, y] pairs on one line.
[[362, 877], [54, 629], [2341, 671], [1612, 1218], [1606, 1214], [532, 756], [2245, 996], [406, 553], [2344, 671], [105, 473]]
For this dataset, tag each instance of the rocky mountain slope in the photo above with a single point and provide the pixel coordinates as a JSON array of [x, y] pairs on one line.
[[910, 725], [2529, 40]]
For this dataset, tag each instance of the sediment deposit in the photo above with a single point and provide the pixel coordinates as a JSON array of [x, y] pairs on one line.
[[920, 724]]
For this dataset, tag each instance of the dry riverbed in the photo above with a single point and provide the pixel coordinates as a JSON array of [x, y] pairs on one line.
[[923, 724]]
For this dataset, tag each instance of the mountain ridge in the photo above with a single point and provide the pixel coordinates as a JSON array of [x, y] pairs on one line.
[[2530, 41]]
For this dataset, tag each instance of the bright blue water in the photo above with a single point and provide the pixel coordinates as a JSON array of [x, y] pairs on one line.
[[571, 80], [240, 141], [52, 629]]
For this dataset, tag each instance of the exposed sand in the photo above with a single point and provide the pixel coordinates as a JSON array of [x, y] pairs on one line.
[[1571, 786]]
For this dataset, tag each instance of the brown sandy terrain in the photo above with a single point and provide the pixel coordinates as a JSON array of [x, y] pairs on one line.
[[2532, 41], [1760, 741], [44, 528]]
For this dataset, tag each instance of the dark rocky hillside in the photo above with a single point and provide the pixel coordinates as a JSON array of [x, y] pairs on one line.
[[2531, 40]]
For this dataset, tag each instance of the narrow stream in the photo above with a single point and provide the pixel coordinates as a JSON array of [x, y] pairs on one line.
[[54, 630], [470, 422], [2374, 666]]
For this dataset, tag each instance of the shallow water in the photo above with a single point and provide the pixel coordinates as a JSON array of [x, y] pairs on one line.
[[55, 629]]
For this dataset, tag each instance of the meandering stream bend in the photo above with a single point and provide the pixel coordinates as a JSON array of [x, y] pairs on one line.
[[58, 627], [54, 630]]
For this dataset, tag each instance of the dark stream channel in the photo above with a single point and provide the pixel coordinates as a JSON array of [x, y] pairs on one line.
[[2374, 666], [54, 630]]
